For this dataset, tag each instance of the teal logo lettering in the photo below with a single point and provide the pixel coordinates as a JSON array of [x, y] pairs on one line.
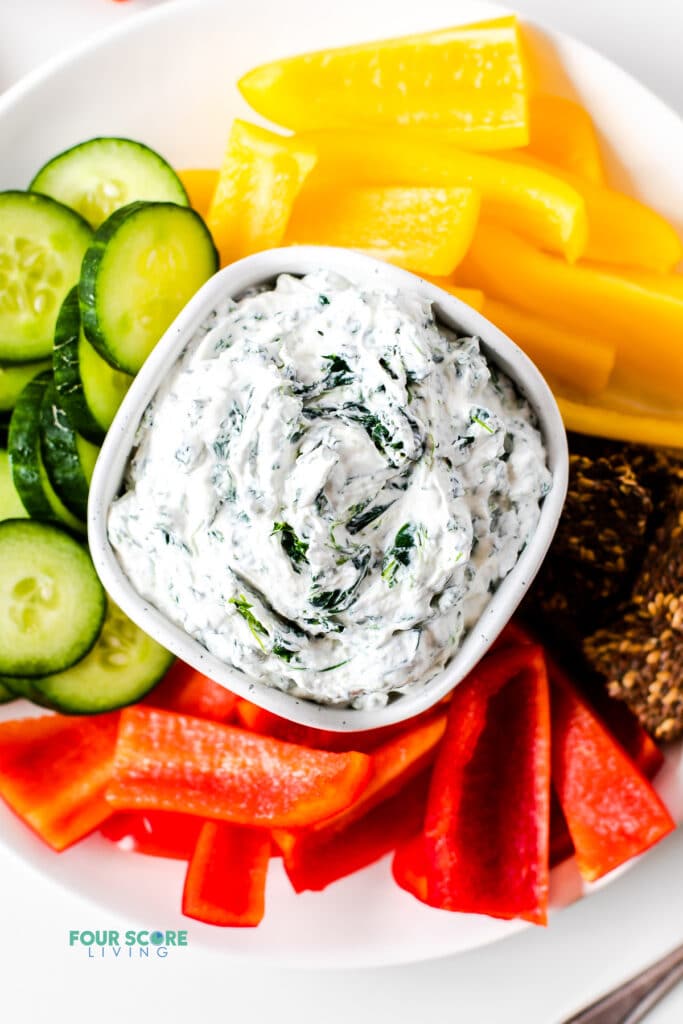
[[142, 944]]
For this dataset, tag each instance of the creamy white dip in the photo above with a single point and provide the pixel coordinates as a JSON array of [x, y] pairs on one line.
[[327, 489]]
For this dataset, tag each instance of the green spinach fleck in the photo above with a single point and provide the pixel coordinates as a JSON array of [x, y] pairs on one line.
[[339, 373], [286, 653], [244, 608], [376, 430], [295, 548], [363, 516], [400, 553], [481, 417], [339, 600]]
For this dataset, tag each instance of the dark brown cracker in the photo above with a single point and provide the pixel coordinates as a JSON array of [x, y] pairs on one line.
[[599, 543], [641, 652]]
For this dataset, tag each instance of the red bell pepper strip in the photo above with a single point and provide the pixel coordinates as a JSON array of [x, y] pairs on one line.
[[394, 764], [170, 762], [54, 771], [188, 692], [156, 833], [487, 821], [623, 725], [612, 811], [323, 858], [619, 718], [561, 845], [409, 867], [513, 635], [226, 878], [266, 723]]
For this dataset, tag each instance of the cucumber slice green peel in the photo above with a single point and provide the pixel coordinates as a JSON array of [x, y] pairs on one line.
[[19, 686], [6, 694], [28, 470], [99, 176], [42, 244], [145, 262], [88, 387], [11, 505], [68, 459], [13, 380], [120, 669], [52, 603]]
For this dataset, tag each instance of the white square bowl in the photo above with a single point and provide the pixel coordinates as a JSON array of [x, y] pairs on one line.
[[233, 281]]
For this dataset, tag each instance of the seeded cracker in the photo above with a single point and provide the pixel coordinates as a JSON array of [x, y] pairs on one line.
[[641, 652], [599, 542]]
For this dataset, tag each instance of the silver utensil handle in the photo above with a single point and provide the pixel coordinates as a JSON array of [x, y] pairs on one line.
[[630, 1002]]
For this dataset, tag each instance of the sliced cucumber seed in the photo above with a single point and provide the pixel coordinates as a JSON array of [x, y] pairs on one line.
[[31, 597], [28, 274], [51, 600], [42, 244], [118, 640], [97, 203]]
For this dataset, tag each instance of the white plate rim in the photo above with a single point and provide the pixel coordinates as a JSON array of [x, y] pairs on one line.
[[668, 783]]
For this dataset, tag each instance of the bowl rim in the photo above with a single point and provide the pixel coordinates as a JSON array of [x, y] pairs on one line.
[[262, 268]]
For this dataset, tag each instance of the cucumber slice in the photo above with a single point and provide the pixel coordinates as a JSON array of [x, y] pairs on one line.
[[6, 694], [87, 456], [146, 261], [28, 470], [88, 387], [42, 245], [52, 604], [100, 175], [24, 449], [121, 668], [18, 687], [11, 506], [69, 459], [13, 380]]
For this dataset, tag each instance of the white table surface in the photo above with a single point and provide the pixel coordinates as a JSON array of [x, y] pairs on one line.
[[539, 977]]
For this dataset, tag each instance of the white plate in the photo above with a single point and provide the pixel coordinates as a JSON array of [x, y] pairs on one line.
[[168, 78]]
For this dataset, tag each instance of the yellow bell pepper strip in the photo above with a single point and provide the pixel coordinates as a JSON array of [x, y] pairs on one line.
[[645, 326], [621, 230], [427, 230], [563, 135], [625, 232], [601, 421], [573, 357], [261, 175], [468, 83], [473, 297], [667, 284], [535, 202], [200, 185]]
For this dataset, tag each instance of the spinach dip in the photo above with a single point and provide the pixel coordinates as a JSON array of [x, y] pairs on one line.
[[327, 489]]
